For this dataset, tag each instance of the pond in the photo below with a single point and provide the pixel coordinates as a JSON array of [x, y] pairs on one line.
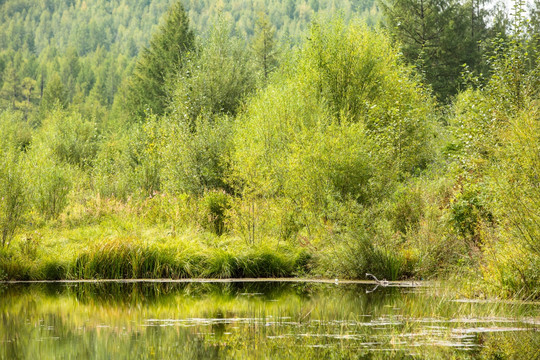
[[258, 320]]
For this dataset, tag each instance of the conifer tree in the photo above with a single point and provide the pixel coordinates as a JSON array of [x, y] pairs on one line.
[[159, 63], [10, 92], [438, 37], [264, 46], [54, 94]]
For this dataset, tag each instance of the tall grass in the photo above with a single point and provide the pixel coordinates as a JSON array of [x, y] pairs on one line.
[[125, 259], [132, 258]]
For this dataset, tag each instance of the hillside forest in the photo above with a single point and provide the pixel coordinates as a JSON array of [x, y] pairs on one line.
[[272, 138]]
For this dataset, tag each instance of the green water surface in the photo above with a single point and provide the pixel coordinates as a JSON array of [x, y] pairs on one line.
[[258, 320]]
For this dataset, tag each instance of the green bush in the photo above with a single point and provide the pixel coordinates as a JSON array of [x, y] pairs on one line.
[[347, 122], [13, 200], [216, 204], [51, 182], [215, 79], [113, 174], [497, 202], [72, 139], [196, 159], [406, 209]]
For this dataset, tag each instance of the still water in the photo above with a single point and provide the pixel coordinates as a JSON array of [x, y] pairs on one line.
[[259, 320]]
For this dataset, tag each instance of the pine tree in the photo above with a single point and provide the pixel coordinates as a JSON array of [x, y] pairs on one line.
[[159, 63]]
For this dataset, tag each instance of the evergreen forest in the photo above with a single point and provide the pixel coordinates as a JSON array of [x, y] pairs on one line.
[[272, 138]]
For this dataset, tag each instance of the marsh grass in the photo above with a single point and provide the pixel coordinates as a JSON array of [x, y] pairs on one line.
[[118, 248], [123, 260]]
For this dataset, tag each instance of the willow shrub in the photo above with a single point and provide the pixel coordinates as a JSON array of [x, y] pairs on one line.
[[12, 194], [71, 138], [51, 182], [113, 173], [215, 78], [514, 188], [13, 188], [195, 158], [346, 122], [129, 162], [497, 130]]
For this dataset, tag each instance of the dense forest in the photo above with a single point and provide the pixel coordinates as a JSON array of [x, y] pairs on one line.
[[271, 138], [83, 50]]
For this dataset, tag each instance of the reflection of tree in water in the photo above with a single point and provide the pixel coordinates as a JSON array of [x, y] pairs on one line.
[[211, 320], [218, 327]]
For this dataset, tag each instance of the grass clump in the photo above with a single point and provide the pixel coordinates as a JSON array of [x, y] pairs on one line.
[[124, 259]]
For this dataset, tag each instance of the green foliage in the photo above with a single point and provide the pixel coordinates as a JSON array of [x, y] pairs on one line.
[[215, 79], [497, 128], [264, 47], [144, 144], [468, 212], [113, 174], [407, 209], [12, 194], [71, 138], [65, 51], [13, 186], [129, 164], [290, 18], [216, 204], [361, 244], [196, 156], [54, 95], [359, 76], [51, 182], [439, 37], [333, 164], [82, 51], [320, 132], [159, 63]]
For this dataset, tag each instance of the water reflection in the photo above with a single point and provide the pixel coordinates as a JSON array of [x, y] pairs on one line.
[[256, 320]]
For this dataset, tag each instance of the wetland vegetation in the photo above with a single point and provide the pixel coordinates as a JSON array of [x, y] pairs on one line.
[[319, 139], [317, 145]]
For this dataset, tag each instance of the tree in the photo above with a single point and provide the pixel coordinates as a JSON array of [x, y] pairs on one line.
[[28, 92], [534, 26], [70, 71], [264, 46], [439, 37], [54, 94], [290, 8], [216, 79], [159, 63], [11, 89]]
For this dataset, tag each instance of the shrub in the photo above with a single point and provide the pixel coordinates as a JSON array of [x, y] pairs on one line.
[[196, 159], [12, 194], [51, 182], [406, 209], [113, 173], [215, 79], [216, 204], [72, 139], [346, 123]]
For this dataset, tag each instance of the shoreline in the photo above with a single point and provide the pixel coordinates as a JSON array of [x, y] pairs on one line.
[[415, 283]]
